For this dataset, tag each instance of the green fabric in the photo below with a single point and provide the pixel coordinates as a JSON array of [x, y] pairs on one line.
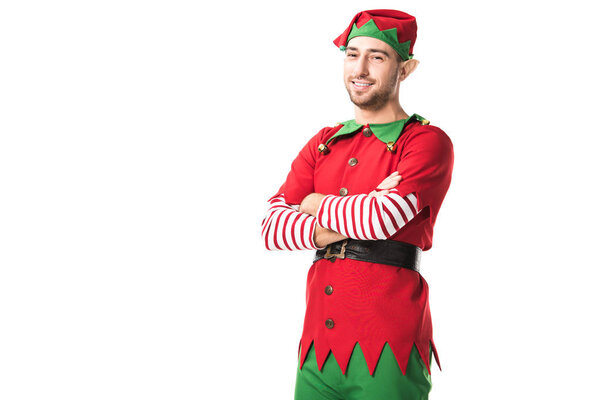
[[390, 36], [387, 382], [388, 132]]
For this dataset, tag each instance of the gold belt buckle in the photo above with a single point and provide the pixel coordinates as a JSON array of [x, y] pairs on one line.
[[342, 254]]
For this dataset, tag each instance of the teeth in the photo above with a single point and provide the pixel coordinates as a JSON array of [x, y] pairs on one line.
[[362, 84]]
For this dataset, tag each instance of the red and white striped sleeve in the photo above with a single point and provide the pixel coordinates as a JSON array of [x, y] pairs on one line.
[[285, 228], [367, 218]]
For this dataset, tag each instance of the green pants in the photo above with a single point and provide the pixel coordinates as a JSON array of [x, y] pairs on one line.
[[386, 383]]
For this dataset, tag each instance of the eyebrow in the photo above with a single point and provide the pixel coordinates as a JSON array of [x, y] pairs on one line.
[[369, 50]]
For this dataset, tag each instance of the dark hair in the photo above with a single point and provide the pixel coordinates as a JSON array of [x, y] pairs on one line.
[[398, 58]]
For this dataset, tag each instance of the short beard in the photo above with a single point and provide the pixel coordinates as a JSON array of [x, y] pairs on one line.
[[378, 99]]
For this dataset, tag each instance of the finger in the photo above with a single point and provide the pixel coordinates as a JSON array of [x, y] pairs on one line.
[[394, 180], [389, 177], [379, 190], [392, 177], [381, 193], [387, 186], [390, 182]]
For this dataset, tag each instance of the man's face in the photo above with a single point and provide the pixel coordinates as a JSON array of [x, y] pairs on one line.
[[371, 72]]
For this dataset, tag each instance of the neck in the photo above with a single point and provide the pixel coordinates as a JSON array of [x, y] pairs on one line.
[[391, 112]]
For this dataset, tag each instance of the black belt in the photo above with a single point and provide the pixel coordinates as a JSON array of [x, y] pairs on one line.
[[390, 252]]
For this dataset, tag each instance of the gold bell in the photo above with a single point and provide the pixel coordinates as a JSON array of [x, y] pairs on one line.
[[391, 146], [323, 149], [424, 122]]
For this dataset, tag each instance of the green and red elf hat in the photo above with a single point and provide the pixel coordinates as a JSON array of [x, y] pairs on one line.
[[396, 28]]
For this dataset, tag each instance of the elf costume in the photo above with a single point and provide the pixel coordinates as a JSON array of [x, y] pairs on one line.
[[367, 329]]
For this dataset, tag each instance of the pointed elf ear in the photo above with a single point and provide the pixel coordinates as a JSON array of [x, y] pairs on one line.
[[408, 67]]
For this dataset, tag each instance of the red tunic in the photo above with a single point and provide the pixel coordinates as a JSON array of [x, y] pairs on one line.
[[372, 303]]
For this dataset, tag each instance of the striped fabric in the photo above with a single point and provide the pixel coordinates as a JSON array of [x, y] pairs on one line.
[[367, 218], [357, 217], [285, 228]]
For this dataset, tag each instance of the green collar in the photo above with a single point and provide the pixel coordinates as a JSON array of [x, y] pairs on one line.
[[388, 132]]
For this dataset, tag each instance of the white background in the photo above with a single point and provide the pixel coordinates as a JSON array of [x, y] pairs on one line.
[[140, 141]]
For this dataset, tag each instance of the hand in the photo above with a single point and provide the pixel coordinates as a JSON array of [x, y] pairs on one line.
[[310, 204], [388, 183], [324, 236]]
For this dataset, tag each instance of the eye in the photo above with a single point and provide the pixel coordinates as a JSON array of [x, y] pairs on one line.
[[351, 55]]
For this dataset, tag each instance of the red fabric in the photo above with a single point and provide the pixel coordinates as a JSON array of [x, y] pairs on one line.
[[405, 24], [372, 303]]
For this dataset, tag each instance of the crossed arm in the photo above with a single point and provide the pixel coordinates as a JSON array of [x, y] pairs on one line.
[[323, 219]]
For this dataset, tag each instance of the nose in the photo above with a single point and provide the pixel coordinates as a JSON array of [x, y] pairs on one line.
[[361, 67]]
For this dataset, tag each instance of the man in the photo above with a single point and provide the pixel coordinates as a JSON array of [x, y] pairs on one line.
[[365, 194]]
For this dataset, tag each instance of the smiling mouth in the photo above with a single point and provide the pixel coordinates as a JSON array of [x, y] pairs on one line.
[[361, 85]]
